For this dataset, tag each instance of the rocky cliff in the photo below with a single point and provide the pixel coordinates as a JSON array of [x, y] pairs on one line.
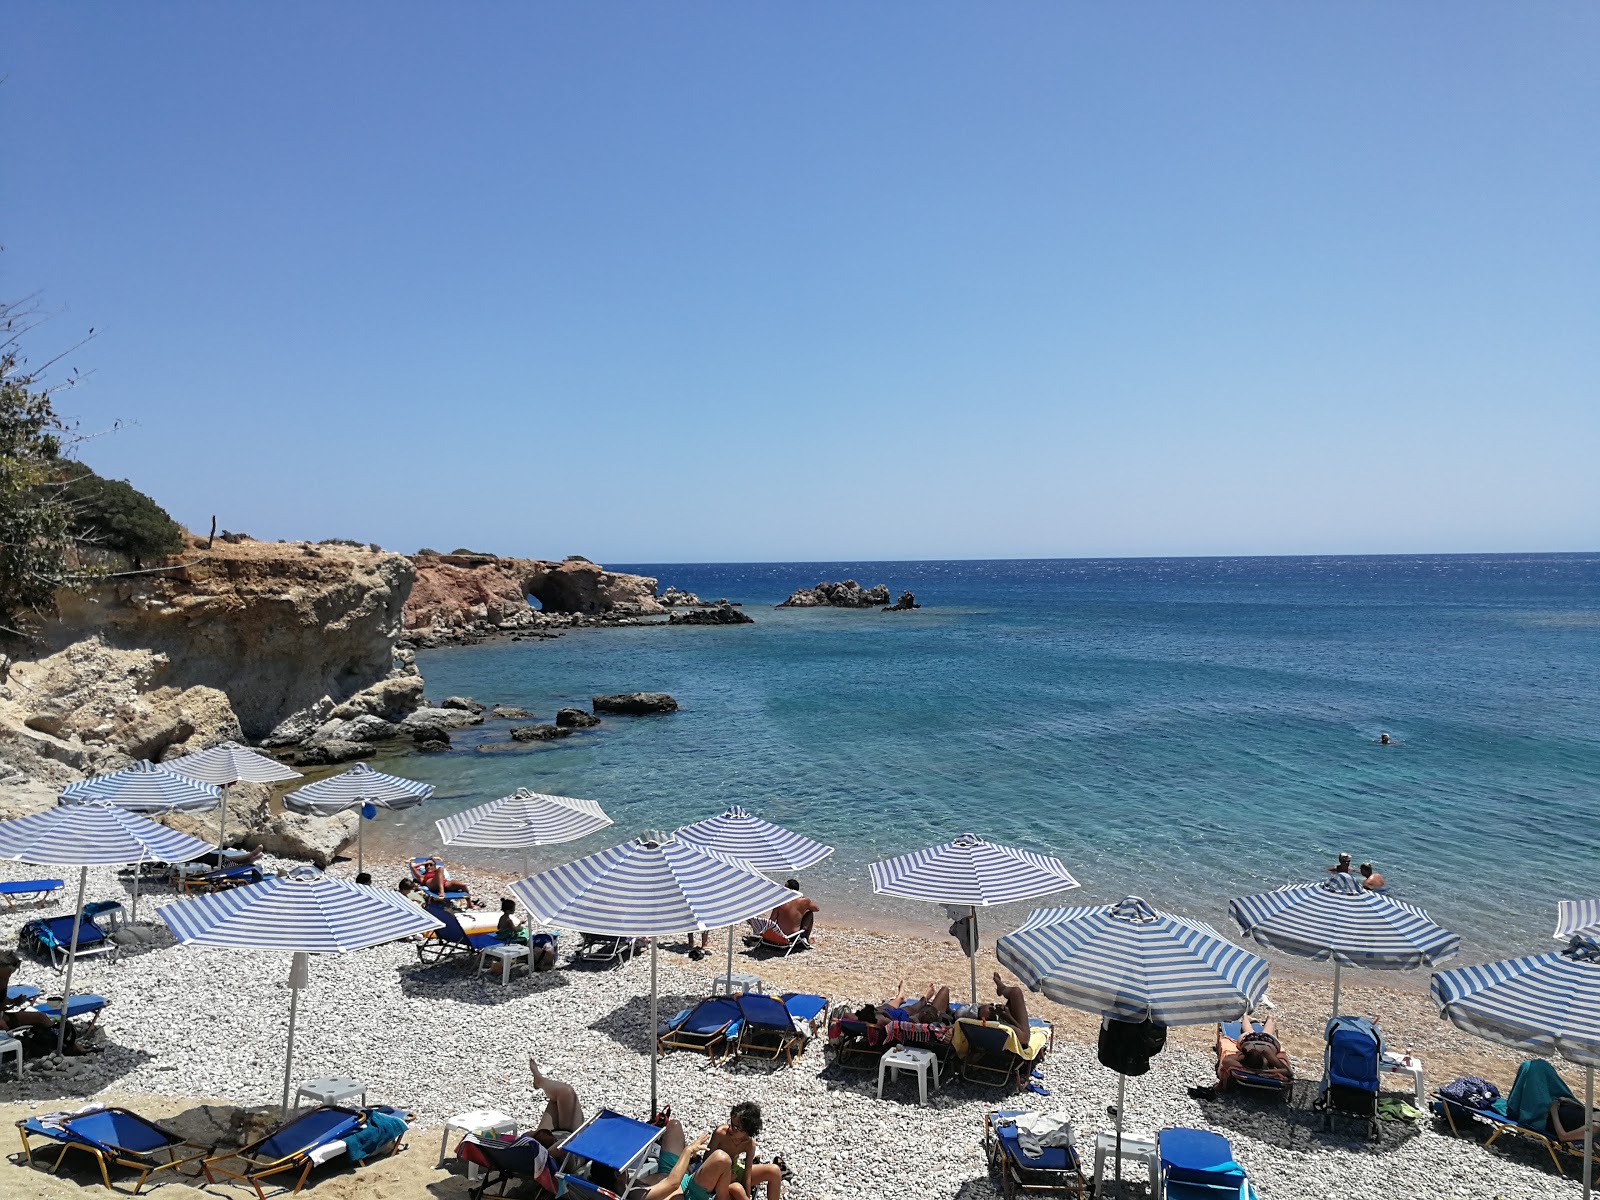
[[277, 625], [460, 594]]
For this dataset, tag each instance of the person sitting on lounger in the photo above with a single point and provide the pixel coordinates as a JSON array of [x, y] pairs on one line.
[[798, 914], [1566, 1120], [541, 946], [436, 880], [229, 858], [1014, 1012], [727, 1171], [409, 889], [930, 1008], [36, 1031], [562, 1113], [1259, 1052]]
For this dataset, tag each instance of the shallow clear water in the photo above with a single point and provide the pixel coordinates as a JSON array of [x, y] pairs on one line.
[[1183, 729]]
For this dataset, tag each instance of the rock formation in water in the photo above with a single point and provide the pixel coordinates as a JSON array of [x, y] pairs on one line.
[[845, 594], [634, 703], [717, 614], [906, 602]]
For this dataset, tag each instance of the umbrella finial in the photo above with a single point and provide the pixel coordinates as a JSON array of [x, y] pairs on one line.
[[966, 841], [1134, 908], [1342, 883]]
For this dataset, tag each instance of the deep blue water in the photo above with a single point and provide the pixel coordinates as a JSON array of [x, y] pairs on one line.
[[1183, 729]]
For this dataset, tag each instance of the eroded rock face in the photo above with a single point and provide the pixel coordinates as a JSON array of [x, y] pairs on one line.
[[277, 626], [844, 594], [316, 840], [635, 703]]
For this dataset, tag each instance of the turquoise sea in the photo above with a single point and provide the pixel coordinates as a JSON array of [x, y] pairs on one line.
[[1182, 729]]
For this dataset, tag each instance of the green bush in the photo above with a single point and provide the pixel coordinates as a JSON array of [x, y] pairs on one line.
[[114, 515]]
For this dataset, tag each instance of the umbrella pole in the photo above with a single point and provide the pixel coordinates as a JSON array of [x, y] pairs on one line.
[[730, 960], [222, 826], [1122, 1085], [1336, 969], [1588, 1131], [973, 957], [361, 862], [72, 961], [525, 871], [653, 1019], [299, 972], [138, 873]]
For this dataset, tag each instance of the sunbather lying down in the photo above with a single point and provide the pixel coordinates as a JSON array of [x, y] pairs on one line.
[[1258, 1052], [930, 1008]]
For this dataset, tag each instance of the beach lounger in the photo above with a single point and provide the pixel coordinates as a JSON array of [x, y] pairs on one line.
[[29, 891], [1197, 1164], [113, 1137], [502, 1159], [807, 1008], [1053, 1169], [766, 1030], [454, 893], [991, 1054], [709, 1026], [1228, 1035], [82, 1004], [768, 935], [20, 993], [856, 1045], [1522, 1112], [450, 940], [302, 1143], [602, 950], [223, 879], [1350, 1072], [608, 1139], [51, 938]]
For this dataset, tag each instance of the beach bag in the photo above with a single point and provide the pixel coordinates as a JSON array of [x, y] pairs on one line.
[[1128, 1046], [1470, 1092]]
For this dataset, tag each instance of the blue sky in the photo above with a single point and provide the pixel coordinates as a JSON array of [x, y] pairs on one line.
[[703, 282]]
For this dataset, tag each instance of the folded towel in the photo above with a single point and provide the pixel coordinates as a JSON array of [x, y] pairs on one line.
[[1036, 1131], [381, 1129]]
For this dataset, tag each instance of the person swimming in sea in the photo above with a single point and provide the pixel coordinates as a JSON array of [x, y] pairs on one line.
[[1385, 740]]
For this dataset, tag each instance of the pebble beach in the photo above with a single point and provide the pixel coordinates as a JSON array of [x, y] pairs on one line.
[[189, 1028]]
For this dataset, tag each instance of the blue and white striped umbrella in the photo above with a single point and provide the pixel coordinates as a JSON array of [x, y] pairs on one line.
[[1128, 962], [1540, 1004], [231, 763], [968, 870], [1340, 918], [357, 788], [144, 787], [1576, 918], [650, 887], [92, 833], [521, 820], [765, 846], [303, 916], [972, 872]]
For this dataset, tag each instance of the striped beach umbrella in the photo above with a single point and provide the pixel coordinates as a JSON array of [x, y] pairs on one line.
[[1539, 1004], [1128, 962], [91, 833], [1339, 918], [1577, 917], [357, 788], [740, 834], [970, 872], [321, 915], [650, 887], [144, 787], [227, 764], [522, 820]]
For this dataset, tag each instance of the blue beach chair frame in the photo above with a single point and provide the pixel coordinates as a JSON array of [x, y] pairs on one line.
[[766, 1029], [1197, 1164], [115, 1137], [51, 937], [1352, 1049], [612, 1140], [1054, 1169], [1498, 1123], [807, 1007], [288, 1147], [451, 939], [29, 891], [708, 1026]]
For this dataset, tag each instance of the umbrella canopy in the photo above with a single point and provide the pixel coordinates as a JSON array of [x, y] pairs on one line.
[[763, 845], [304, 916], [1129, 962], [356, 788], [1575, 917], [650, 887], [232, 763], [92, 833], [745, 836], [144, 787], [1540, 1004], [1342, 919], [521, 820], [972, 872]]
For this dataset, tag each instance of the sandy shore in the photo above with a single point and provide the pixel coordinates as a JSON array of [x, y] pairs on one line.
[[192, 1026]]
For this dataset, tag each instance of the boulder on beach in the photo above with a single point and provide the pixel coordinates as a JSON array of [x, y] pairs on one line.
[[316, 840], [844, 594], [331, 752], [576, 718], [718, 614], [539, 733], [634, 703]]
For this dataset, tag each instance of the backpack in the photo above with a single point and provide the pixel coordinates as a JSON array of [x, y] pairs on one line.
[[1470, 1092]]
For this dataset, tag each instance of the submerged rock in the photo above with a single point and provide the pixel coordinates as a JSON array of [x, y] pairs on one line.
[[576, 718], [720, 614], [510, 712], [634, 703], [539, 733]]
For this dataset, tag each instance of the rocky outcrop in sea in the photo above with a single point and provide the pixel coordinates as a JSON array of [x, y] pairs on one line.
[[845, 594], [721, 613]]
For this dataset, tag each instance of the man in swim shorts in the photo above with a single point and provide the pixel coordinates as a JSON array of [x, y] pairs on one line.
[[1258, 1052], [1014, 1012]]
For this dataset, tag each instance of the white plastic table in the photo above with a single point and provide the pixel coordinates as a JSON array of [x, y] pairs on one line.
[[908, 1058], [1137, 1145], [508, 954], [332, 1090], [479, 1120], [1408, 1064], [10, 1046], [732, 985]]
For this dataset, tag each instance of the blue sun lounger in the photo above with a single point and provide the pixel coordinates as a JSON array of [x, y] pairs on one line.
[[29, 891], [293, 1145], [51, 937], [608, 1139], [1053, 1169], [1197, 1164], [709, 1026], [451, 939], [766, 1030], [223, 879], [114, 1137], [82, 1004], [812, 1010]]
